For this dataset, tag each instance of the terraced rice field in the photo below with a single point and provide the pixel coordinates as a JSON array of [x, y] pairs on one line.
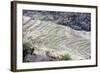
[[58, 40]]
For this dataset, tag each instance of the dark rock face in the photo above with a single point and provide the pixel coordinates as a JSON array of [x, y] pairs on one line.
[[77, 21]]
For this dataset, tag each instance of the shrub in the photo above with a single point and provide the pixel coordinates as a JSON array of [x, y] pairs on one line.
[[26, 46], [66, 57]]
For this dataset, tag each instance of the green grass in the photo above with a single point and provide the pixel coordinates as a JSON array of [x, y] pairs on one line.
[[66, 57]]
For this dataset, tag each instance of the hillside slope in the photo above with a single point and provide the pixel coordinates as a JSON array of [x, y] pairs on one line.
[[52, 40]]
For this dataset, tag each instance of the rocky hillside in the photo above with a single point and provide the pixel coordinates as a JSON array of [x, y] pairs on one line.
[[46, 40], [77, 21]]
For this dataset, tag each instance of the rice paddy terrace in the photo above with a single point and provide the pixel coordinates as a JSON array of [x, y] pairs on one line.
[[51, 40]]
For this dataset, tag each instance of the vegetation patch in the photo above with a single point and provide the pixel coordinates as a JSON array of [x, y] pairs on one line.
[[66, 57], [27, 46]]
